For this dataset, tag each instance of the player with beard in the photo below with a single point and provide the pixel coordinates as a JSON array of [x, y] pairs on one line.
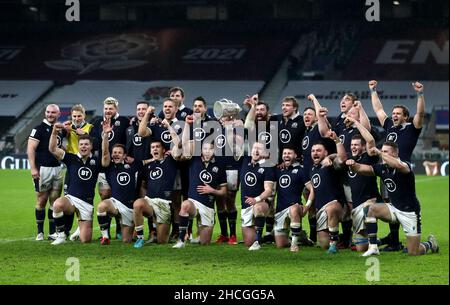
[[264, 126], [400, 130], [207, 181], [138, 148], [404, 207], [329, 194], [158, 131], [45, 170], [292, 178], [364, 189]]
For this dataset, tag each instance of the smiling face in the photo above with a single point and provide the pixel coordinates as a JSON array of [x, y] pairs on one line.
[[84, 147], [118, 154], [78, 117], [258, 152], [52, 113], [318, 153], [169, 109], [141, 110], [199, 107], [398, 116], [287, 108], [356, 147], [289, 156], [261, 113], [109, 111]]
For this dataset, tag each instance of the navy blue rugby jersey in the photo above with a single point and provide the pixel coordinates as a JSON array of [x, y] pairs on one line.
[[137, 147], [117, 135], [122, 179], [401, 187], [200, 173], [290, 132], [326, 181], [160, 176], [405, 135], [43, 156], [181, 114], [252, 178], [346, 137], [312, 135], [363, 187], [82, 176], [159, 132], [290, 184]]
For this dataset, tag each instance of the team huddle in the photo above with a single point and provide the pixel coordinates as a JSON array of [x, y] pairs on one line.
[[179, 165]]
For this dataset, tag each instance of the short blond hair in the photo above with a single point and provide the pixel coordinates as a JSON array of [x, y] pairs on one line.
[[78, 107], [111, 101]]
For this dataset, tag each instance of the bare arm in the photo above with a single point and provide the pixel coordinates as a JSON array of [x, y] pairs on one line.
[[418, 117], [370, 141], [251, 115], [321, 116], [362, 169], [52, 145], [376, 104], [363, 118], [106, 156], [31, 151], [143, 130], [392, 162]]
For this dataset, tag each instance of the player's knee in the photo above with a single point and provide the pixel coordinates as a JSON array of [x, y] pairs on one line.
[[138, 205]]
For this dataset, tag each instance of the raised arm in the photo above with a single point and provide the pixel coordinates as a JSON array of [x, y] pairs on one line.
[[370, 141], [418, 117], [321, 112], [143, 130], [341, 155], [376, 104], [106, 156], [251, 115], [53, 143], [363, 118]]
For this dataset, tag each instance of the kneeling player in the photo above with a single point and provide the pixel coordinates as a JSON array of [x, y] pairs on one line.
[[122, 179], [404, 208], [83, 169], [160, 173], [257, 180], [207, 180], [291, 181], [329, 196]]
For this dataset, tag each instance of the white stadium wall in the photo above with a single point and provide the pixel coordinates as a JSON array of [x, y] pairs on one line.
[[92, 93], [17, 96], [329, 94]]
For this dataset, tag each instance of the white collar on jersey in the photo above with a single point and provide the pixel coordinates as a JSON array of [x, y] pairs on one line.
[[311, 126], [79, 155], [260, 162], [294, 116], [181, 107], [47, 122]]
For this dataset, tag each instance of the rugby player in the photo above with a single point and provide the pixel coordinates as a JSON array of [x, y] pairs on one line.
[[45, 170], [83, 169], [404, 207], [400, 130]]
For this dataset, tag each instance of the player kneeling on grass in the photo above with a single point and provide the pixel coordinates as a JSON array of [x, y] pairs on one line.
[[83, 169], [121, 177], [160, 172], [329, 194], [291, 179], [404, 207], [207, 180], [257, 182]]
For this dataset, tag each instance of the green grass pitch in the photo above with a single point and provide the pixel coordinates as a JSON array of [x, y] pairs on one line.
[[25, 261]]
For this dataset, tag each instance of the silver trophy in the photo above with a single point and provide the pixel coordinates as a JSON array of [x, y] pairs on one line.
[[226, 108]]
